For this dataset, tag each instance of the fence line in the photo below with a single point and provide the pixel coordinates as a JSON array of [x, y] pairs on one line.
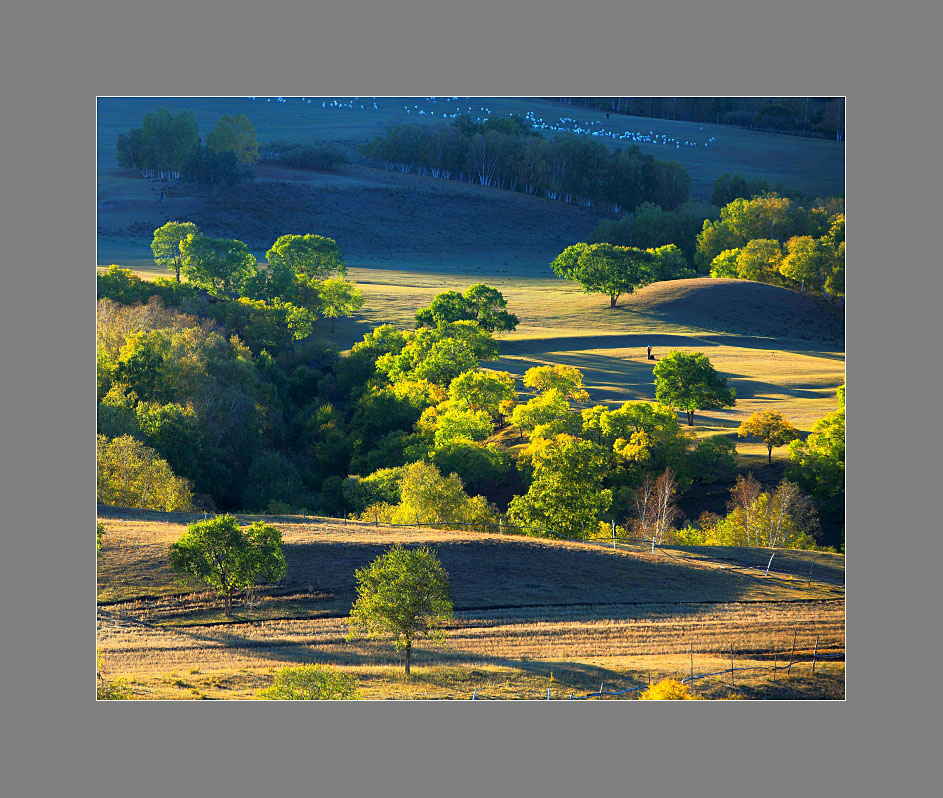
[[695, 677], [501, 526]]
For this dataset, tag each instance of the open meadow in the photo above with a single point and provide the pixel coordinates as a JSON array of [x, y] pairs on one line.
[[531, 614]]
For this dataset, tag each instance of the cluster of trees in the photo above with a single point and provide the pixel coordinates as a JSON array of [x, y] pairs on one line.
[[616, 270], [771, 239], [821, 116], [168, 146], [508, 154]]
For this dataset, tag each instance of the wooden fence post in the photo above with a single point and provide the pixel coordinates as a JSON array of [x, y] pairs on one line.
[[500, 525], [691, 651], [811, 567], [613, 533], [731, 664], [815, 651], [792, 656]]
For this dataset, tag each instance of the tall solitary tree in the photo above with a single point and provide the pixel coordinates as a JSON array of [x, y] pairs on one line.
[[166, 244], [228, 558], [773, 428], [339, 297], [403, 595], [605, 269], [688, 381]]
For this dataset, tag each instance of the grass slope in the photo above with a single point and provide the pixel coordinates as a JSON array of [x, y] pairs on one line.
[[436, 222], [526, 609]]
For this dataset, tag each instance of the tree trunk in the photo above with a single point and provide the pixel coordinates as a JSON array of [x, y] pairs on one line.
[[228, 604], [690, 418], [770, 449], [178, 272], [409, 647], [332, 325], [612, 300]]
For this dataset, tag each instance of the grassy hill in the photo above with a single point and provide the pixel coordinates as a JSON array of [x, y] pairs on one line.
[[405, 221], [525, 608]]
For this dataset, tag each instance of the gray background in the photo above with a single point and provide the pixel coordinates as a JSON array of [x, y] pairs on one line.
[[55, 59]]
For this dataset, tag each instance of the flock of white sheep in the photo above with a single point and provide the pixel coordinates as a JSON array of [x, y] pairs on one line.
[[564, 124]]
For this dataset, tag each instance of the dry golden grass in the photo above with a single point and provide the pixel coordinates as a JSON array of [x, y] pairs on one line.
[[525, 608]]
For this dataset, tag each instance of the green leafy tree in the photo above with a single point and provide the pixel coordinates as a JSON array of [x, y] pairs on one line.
[[100, 537], [223, 266], [605, 269], [480, 303], [669, 264], [725, 264], [566, 379], [549, 413], [308, 258], [819, 461], [228, 558], [564, 496], [167, 241], [312, 683], [131, 474], [688, 381], [339, 297], [161, 145], [488, 391], [479, 466], [771, 427], [487, 307], [403, 595], [712, 457], [459, 423], [235, 134], [427, 495]]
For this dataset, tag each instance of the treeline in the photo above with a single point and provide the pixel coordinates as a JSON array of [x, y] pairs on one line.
[[507, 154], [168, 146], [322, 157], [817, 116]]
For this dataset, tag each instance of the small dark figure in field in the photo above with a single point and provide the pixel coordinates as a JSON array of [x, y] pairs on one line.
[[607, 114], [650, 355], [162, 193]]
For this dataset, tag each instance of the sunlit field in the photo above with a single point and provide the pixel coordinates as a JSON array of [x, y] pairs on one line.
[[531, 614]]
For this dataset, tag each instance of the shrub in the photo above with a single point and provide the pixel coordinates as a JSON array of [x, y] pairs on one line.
[[667, 690], [312, 683]]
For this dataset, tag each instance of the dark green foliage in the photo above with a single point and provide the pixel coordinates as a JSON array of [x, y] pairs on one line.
[[713, 458], [480, 466], [505, 153], [323, 157], [160, 147], [209, 168], [480, 303], [688, 381]]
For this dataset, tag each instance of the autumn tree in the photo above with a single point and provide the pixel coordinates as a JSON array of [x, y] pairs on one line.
[[759, 260], [566, 379], [235, 134], [771, 427], [656, 507], [805, 262], [131, 474], [688, 381], [227, 557], [167, 241], [403, 595]]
